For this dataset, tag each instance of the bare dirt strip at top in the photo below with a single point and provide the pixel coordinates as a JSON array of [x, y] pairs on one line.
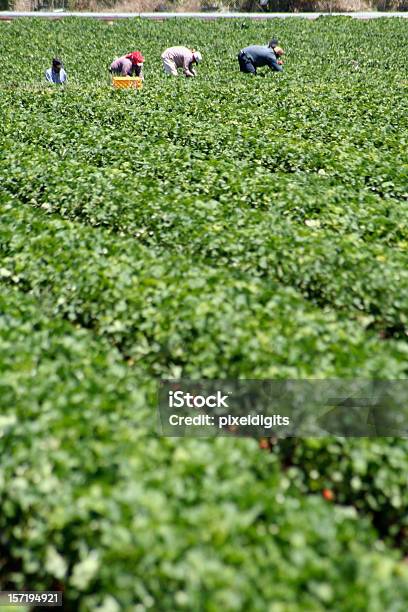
[[8, 15]]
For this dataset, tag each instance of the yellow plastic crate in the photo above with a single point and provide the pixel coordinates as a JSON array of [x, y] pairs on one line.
[[125, 82]]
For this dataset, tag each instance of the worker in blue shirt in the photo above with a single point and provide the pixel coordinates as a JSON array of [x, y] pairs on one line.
[[256, 56], [56, 74]]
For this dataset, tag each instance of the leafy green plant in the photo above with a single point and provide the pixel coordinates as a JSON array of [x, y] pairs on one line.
[[93, 503]]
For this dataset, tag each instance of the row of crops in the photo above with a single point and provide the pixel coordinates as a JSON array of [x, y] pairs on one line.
[[221, 227]]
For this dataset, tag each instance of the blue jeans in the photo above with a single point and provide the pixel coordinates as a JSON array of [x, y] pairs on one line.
[[245, 63]]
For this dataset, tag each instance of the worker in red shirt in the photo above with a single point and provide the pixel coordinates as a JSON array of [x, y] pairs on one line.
[[128, 65]]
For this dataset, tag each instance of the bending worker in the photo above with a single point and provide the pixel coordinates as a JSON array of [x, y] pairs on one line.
[[180, 57], [128, 65], [56, 74], [255, 56]]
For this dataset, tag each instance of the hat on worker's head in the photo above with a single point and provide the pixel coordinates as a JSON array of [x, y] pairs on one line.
[[273, 43], [278, 51], [136, 57], [197, 56], [56, 62]]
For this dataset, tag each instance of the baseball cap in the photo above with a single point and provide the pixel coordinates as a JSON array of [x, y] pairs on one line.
[[136, 57], [197, 56]]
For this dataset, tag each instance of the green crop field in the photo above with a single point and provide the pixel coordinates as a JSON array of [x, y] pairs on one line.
[[219, 227]]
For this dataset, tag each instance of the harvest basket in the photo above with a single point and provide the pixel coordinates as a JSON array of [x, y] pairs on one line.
[[126, 82]]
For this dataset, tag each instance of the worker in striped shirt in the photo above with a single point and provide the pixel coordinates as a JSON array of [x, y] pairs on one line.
[[180, 57], [56, 74]]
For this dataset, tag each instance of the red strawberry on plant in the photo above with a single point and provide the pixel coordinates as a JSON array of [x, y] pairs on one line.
[[328, 494]]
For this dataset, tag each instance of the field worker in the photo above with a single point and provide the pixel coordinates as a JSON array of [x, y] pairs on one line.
[[180, 57], [128, 65], [255, 56], [56, 74]]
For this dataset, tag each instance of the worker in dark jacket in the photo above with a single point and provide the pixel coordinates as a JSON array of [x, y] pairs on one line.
[[256, 56]]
